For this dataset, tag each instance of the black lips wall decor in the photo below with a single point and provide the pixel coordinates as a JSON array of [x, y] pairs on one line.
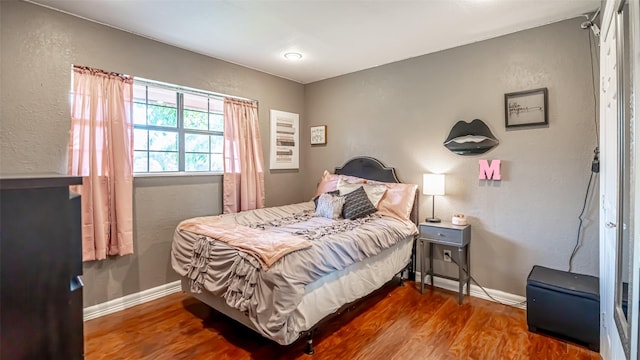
[[470, 138]]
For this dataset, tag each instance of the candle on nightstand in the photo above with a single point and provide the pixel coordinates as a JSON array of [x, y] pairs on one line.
[[458, 219]]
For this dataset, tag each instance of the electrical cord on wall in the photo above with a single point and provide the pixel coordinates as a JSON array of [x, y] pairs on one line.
[[484, 290], [593, 87], [581, 219], [595, 163]]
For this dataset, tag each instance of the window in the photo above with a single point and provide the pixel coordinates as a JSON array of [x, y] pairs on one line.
[[176, 130]]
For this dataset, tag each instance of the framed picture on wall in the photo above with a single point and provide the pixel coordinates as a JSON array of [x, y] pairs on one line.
[[285, 140], [319, 135], [526, 108]]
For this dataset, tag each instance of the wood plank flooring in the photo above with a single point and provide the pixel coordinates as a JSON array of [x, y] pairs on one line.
[[397, 323]]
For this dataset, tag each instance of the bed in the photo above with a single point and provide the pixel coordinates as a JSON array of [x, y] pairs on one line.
[[301, 269]]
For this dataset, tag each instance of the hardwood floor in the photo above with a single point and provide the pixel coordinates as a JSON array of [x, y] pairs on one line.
[[397, 323]]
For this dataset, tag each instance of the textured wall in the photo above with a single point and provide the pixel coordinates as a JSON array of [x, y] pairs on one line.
[[401, 113], [38, 48]]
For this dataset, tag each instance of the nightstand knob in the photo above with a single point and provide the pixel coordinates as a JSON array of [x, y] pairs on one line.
[[440, 234]]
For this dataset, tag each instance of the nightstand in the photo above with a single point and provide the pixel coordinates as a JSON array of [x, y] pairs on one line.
[[458, 236]]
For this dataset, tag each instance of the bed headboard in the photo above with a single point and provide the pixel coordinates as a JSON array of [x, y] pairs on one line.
[[369, 168]]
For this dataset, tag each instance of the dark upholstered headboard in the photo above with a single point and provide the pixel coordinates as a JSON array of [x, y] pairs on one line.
[[369, 168]]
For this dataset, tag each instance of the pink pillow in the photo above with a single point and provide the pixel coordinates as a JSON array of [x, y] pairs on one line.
[[398, 200], [329, 182]]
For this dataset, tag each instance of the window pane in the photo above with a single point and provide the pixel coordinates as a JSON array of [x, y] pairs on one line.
[[196, 102], [163, 161], [196, 143], [195, 120], [216, 163], [216, 144], [161, 96], [140, 161], [139, 114], [196, 108], [196, 162], [163, 140], [139, 104], [216, 122], [162, 107], [216, 105], [140, 139], [139, 93], [162, 115]]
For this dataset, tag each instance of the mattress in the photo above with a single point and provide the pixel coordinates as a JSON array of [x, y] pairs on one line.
[[326, 295]]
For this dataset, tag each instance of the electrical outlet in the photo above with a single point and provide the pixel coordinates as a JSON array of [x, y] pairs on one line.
[[446, 254]]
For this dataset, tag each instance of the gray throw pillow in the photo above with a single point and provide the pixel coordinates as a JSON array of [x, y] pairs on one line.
[[329, 206], [334, 192], [357, 205]]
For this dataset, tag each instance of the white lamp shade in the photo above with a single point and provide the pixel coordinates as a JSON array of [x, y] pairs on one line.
[[433, 184]]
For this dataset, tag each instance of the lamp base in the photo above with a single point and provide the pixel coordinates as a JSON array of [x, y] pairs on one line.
[[432, 220]]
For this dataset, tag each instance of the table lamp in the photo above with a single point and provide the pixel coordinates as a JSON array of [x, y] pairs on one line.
[[433, 184]]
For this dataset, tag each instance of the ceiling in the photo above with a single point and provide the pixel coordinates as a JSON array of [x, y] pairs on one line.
[[335, 37]]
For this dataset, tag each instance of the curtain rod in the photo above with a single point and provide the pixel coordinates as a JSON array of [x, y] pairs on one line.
[[188, 89], [100, 71]]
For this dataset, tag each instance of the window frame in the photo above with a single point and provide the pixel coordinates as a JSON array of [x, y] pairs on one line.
[[179, 129]]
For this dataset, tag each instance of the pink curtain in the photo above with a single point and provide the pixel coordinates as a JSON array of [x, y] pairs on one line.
[[101, 151], [243, 170]]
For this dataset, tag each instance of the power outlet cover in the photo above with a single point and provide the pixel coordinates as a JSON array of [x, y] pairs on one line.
[[446, 254]]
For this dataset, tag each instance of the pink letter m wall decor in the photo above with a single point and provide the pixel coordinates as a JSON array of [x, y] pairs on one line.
[[489, 171]]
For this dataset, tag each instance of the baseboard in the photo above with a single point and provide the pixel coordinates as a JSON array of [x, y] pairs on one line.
[[142, 297], [501, 296], [128, 301]]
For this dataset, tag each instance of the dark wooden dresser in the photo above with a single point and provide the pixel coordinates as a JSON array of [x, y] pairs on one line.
[[40, 264]]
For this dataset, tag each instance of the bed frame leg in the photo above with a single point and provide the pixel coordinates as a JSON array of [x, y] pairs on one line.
[[400, 279], [309, 349]]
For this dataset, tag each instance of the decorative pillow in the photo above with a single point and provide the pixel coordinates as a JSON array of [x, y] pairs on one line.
[[357, 205], [374, 191], [330, 206], [329, 182], [333, 193], [398, 200]]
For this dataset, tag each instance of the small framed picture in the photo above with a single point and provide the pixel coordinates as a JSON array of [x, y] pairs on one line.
[[526, 108], [319, 135]]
